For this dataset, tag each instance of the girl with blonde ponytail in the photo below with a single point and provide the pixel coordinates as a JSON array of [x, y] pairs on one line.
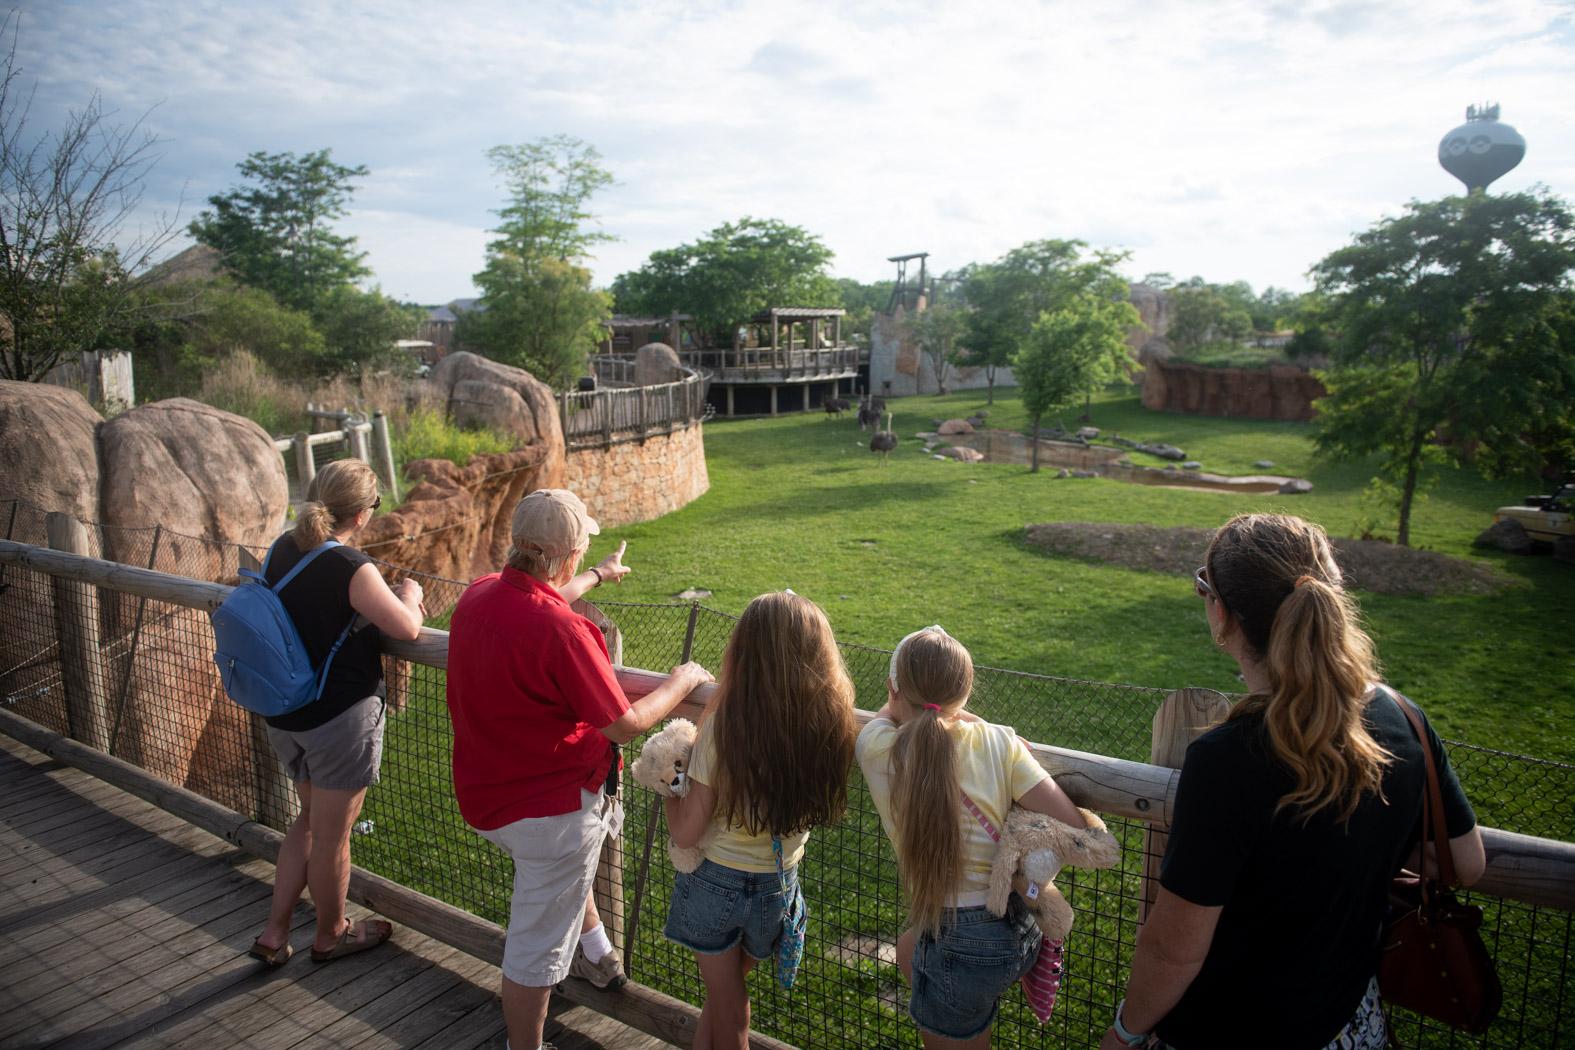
[[1291, 818], [926, 760]]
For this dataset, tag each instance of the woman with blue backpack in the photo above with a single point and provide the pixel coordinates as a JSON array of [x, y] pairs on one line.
[[331, 746]]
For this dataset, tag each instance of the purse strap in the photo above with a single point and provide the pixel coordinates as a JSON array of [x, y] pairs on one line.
[[1432, 799], [973, 807], [776, 848]]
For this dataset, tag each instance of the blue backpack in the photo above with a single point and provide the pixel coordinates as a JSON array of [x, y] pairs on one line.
[[260, 654]]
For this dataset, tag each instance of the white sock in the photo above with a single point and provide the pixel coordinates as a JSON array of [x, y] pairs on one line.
[[594, 943]]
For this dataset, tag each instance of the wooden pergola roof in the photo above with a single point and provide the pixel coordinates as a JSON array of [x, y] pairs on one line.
[[797, 313], [625, 321]]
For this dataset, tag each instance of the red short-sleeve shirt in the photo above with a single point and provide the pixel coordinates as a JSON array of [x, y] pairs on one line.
[[530, 687]]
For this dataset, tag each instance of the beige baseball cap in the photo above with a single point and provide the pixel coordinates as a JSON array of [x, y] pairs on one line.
[[553, 521]]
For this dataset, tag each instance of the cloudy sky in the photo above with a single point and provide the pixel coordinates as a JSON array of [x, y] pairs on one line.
[[1232, 139]]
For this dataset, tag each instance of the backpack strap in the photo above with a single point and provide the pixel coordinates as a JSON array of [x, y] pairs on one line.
[[306, 560]]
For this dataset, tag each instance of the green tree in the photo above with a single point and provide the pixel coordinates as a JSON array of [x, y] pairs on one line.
[[1071, 351], [1201, 315], [862, 302], [731, 274], [361, 329], [1008, 296], [1451, 320], [71, 265], [936, 332], [274, 233], [538, 310]]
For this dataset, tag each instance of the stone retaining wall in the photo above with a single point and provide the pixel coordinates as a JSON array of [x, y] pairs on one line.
[[638, 481], [1282, 392]]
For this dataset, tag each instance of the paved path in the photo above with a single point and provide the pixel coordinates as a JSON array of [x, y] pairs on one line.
[[123, 926]]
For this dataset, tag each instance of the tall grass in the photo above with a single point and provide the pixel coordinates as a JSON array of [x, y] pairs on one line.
[[426, 434]]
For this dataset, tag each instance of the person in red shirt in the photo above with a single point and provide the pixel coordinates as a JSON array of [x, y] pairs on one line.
[[537, 712]]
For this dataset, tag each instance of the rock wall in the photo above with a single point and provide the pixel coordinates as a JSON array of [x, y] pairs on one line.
[[638, 481], [1282, 392], [898, 361]]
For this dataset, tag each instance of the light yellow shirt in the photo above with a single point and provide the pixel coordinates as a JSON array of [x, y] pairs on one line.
[[732, 846], [994, 768]]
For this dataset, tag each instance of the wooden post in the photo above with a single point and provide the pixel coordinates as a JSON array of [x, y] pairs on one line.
[[642, 415], [76, 627], [357, 429], [730, 400], [773, 399], [604, 398], [383, 454], [563, 417], [1184, 716], [806, 397], [305, 468], [277, 804]]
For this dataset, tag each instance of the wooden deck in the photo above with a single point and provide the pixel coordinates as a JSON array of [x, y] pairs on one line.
[[123, 926]]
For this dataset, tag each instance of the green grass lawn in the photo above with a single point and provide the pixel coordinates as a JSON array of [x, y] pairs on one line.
[[798, 501]]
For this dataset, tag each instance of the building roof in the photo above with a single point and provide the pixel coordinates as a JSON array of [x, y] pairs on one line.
[[797, 313]]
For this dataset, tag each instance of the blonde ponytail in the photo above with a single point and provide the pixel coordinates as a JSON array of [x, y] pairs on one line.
[[933, 675], [340, 491], [1277, 577]]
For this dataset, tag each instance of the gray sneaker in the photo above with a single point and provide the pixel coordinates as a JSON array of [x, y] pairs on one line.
[[607, 974]]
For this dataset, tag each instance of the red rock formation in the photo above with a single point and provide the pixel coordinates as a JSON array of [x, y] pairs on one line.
[[1282, 392]]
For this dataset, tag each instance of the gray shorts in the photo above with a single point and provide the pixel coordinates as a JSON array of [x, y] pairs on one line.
[[342, 754], [554, 865]]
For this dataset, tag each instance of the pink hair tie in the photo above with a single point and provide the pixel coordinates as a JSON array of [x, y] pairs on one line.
[[932, 707]]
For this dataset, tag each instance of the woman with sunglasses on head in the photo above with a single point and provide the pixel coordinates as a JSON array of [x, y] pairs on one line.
[[1291, 818], [332, 746]]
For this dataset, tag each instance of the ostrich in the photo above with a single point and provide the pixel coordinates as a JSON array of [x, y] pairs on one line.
[[884, 441], [869, 415], [835, 406]]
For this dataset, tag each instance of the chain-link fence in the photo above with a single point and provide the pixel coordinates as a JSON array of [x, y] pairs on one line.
[[150, 664]]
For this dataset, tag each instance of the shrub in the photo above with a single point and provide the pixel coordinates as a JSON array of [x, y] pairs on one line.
[[238, 383], [426, 434]]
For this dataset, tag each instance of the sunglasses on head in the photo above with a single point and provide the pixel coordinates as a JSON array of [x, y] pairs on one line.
[[1201, 584], [378, 502]]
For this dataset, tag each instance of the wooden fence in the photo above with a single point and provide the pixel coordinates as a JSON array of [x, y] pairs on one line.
[[612, 414]]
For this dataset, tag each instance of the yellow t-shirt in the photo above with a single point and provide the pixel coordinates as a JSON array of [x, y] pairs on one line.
[[994, 768], [732, 846]]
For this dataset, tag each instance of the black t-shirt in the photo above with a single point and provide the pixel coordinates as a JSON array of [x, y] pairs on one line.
[[1303, 904], [318, 600]]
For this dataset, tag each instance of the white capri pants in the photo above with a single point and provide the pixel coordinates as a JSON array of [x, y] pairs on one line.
[[554, 864]]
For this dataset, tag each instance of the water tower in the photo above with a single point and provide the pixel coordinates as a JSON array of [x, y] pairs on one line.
[[1481, 149]]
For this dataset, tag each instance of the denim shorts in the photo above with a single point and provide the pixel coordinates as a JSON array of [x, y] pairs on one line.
[[958, 977], [715, 907]]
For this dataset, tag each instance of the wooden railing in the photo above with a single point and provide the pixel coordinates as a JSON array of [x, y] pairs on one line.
[[368, 439], [611, 415], [767, 365]]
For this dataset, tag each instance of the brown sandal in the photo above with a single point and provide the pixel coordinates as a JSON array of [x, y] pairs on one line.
[[358, 937], [274, 957]]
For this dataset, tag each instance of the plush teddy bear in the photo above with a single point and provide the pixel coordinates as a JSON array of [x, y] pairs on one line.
[[1033, 848], [663, 766]]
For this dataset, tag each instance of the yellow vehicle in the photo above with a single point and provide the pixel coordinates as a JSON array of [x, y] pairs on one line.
[[1545, 518]]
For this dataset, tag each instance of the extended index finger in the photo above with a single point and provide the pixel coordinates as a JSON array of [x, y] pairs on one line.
[[623, 545]]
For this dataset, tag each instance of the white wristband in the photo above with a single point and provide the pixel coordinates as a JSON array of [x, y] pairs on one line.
[[1129, 1038]]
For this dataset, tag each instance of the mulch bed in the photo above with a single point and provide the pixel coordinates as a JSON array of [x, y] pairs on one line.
[[1369, 565]]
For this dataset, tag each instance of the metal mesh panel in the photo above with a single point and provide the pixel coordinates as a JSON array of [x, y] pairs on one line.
[[170, 716]]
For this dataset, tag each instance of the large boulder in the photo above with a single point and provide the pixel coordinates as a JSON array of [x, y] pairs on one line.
[[534, 422], [49, 445], [954, 426], [1507, 535], [197, 471], [656, 363], [481, 403]]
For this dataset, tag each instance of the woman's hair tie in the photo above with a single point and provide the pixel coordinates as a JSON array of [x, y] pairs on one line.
[[1304, 579], [933, 707]]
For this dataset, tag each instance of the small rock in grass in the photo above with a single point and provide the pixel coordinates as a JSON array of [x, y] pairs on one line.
[[1296, 487], [1088, 433], [1264, 464], [1085, 473], [693, 594], [1192, 464]]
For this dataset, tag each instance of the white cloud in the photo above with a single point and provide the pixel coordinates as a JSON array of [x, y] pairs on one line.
[[1231, 139]]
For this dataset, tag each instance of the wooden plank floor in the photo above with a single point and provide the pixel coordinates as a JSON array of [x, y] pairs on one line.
[[122, 926]]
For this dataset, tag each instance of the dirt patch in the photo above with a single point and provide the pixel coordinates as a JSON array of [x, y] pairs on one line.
[[1368, 565]]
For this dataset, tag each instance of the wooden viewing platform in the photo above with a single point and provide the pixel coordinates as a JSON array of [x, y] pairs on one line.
[[121, 925]]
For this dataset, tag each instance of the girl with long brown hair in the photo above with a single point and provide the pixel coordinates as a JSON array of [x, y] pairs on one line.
[[1291, 818], [770, 762], [930, 766]]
